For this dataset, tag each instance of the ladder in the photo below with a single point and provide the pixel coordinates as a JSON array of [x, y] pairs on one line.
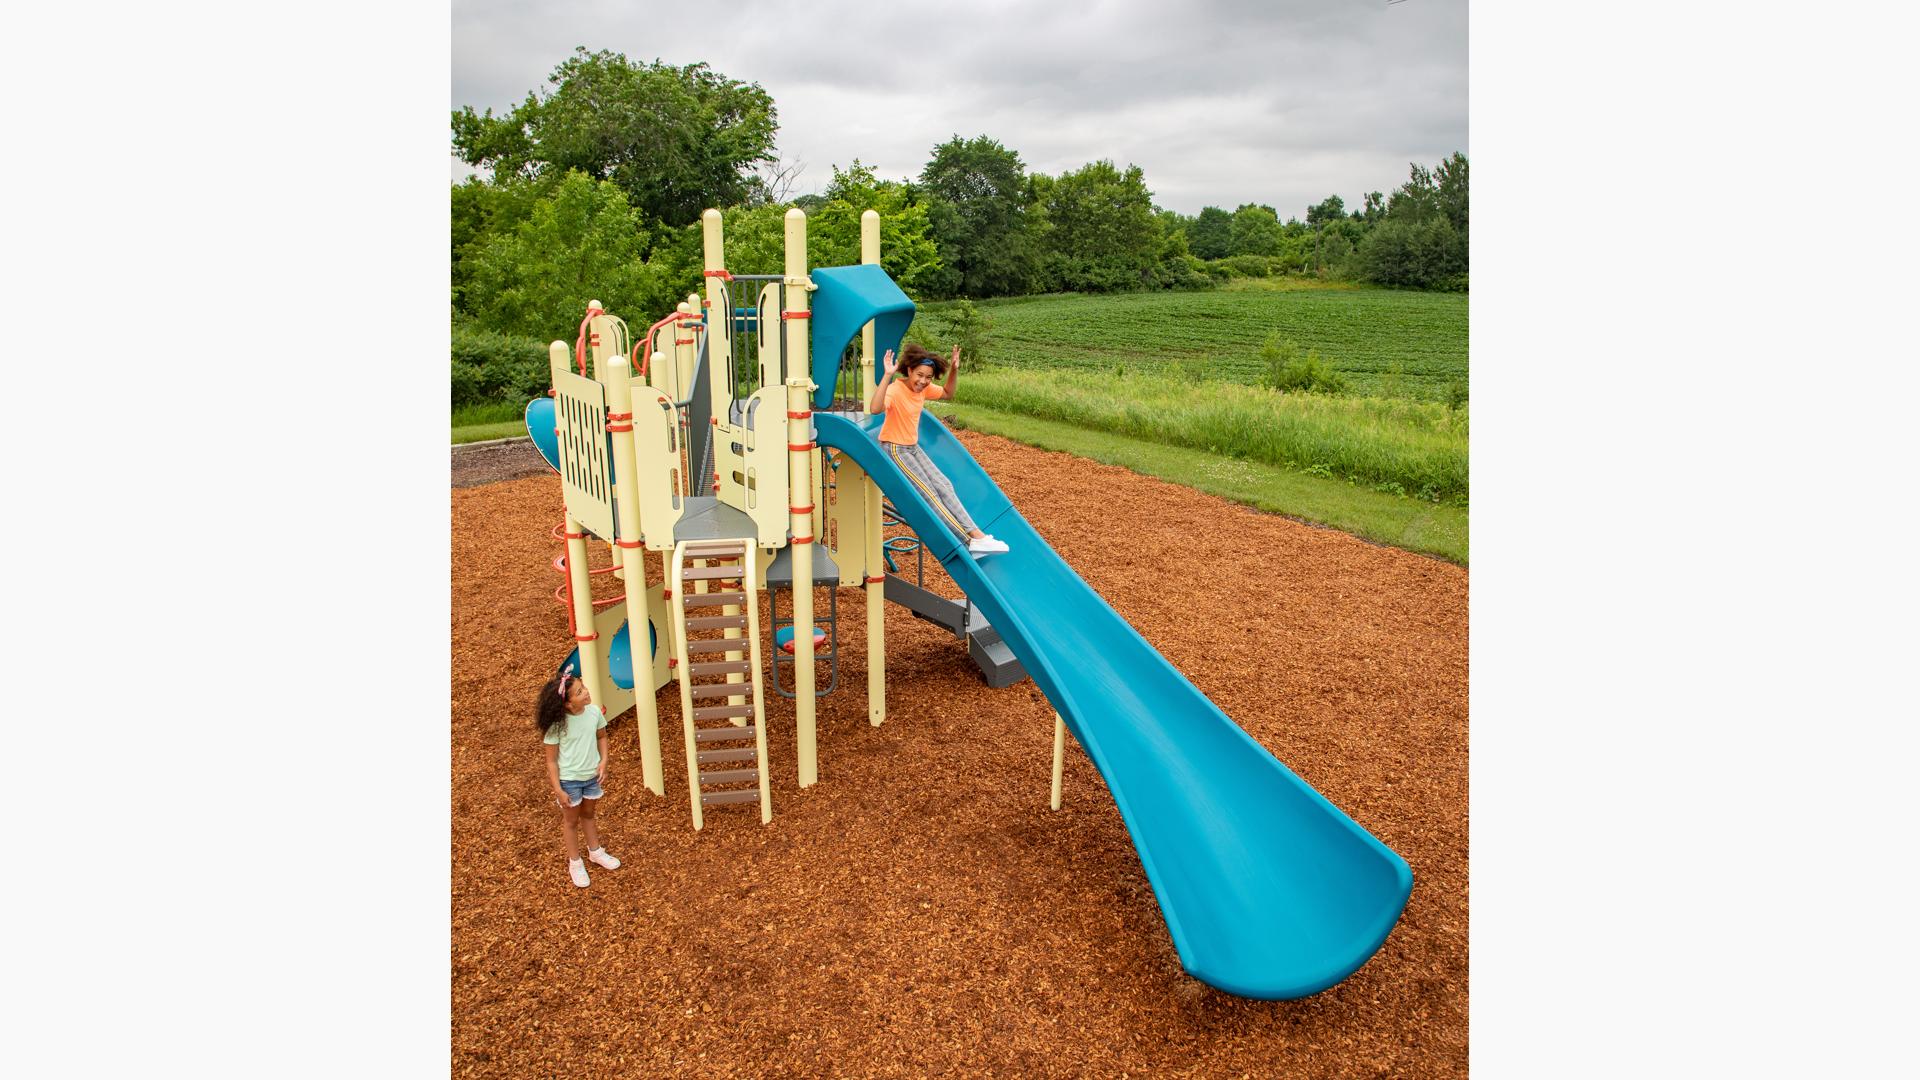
[[716, 762]]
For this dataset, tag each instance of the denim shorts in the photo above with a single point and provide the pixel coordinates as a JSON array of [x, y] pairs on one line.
[[581, 789]]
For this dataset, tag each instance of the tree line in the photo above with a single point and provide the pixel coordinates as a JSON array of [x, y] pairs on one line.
[[594, 190]]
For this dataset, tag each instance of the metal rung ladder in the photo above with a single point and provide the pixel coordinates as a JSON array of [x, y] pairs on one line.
[[716, 762]]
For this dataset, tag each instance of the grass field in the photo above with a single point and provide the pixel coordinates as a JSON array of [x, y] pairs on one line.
[[1391, 445], [1412, 524], [1387, 342]]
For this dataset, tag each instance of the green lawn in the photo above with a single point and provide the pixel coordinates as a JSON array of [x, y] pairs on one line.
[[1387, 342], [1401, 522]]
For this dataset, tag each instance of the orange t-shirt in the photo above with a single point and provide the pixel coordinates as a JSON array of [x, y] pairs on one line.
[[903, 411]]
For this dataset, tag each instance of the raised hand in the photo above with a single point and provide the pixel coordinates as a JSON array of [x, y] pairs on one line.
[[888, 363]]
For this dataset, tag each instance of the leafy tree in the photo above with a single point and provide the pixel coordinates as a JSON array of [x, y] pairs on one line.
[[908, 252], [676, 140], [1211, 234], [1329, 209], [979, 216], [1103, 235], [1256, 230], [580, 243], [1375, 208], [482, 211], [1420, 254], [756, 236]]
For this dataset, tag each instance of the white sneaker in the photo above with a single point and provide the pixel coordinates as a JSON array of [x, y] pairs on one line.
[[986, 545], [601, 858], [578, 871]]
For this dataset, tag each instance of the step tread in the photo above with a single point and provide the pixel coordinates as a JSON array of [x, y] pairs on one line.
[[725, 734], [705, 691], [721, 667], [728, 776], [713, 798], [723, 712], [693, 600], [737, 753]]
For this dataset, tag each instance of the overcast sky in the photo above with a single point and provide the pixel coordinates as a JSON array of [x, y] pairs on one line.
[[1221, 103]]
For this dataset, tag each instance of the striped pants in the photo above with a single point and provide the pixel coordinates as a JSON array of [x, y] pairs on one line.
[[933, 485]]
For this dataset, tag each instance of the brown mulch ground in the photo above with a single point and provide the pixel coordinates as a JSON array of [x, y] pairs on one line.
[[920, 911]]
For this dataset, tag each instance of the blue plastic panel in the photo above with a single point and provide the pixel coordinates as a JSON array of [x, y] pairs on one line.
[[846, 299]]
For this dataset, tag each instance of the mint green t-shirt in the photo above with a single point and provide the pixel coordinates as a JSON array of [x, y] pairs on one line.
[[579, 744]]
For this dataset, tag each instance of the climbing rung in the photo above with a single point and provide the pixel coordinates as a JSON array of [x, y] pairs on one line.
[[716, 622], [717, 645], [725, 734], [721, 667], [710, 757], [708, 573], [715, 798], [729, 776], [722, 712], [708, 549], [710, 599], [713, 690]]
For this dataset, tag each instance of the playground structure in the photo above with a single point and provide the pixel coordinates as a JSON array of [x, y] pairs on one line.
[[731, 451]]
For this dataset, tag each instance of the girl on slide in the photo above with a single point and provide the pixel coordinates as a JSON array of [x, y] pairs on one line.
[[902, 400]]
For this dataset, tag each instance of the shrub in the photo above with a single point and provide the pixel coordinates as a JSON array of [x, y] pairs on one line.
[[1249, 265], [1288, 369], [490, 366]]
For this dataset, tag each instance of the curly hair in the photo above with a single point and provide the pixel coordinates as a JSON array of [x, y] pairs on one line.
[[916, 354], [551, 710]]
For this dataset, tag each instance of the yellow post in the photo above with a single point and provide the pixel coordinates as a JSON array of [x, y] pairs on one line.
[[591, 670], [719, 306], [750, 567], [876, 567], [631, 557], [1059, 755], [800, 490]]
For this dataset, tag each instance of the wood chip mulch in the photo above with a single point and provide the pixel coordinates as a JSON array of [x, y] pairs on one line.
[[920, 911]]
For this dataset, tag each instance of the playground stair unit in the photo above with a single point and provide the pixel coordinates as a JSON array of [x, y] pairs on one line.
[[731, 441]]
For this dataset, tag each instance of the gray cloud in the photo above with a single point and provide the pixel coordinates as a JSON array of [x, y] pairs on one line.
[[1219, 103]]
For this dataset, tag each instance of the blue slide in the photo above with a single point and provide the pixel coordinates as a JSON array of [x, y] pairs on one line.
[[1268, 889]]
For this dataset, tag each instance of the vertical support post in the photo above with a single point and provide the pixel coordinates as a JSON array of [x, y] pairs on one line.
[[719, 305], [876, 574], [592, 670], [631, 557], [1059, 755], [800, 489]]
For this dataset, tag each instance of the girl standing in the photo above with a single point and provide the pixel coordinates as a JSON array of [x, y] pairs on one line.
[[575, 732]]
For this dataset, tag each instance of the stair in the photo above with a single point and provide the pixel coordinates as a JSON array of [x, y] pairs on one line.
[[719, 716]]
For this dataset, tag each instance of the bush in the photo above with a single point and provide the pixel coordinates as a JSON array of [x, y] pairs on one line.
[[489, 366], [970, 329], [1287, 369], [1249, 265]]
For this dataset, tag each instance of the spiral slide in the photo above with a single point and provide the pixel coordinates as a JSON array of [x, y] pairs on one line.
[[1268, 890]]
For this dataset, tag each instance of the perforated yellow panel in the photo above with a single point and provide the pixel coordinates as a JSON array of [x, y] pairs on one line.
[[580, 412]]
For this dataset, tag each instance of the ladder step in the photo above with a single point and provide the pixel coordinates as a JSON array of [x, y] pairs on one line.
[[721, 667], [708, 549], [693, 600], [717, 645], [716, 622], [713, 690], [728, 776], [725, 734], [722, 712], [712, 757], [710, 573], [715, 798]]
